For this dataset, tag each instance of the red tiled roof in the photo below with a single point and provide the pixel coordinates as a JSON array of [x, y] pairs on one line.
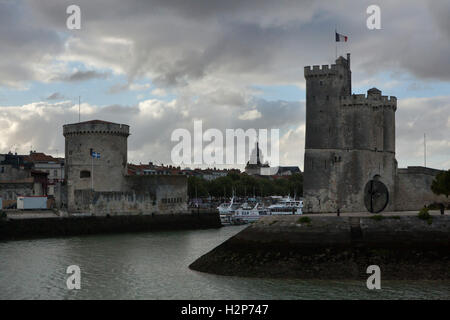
[[40, 157]]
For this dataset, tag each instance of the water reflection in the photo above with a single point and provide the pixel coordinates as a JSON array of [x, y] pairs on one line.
[[154, 266]]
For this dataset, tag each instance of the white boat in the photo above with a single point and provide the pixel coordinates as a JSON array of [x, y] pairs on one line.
[[235, 213], [249, 213], [226, 211], [286, 205], [226, 207]]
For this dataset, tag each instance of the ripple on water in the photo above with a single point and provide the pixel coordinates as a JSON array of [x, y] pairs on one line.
[[155, 266]]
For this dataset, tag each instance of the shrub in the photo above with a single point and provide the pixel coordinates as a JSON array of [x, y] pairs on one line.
[[434, 206], [377, 217], [425, 215], [304, 220]]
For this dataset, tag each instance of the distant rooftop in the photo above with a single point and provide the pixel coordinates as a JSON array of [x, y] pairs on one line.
[[94, 122], [40, 157]]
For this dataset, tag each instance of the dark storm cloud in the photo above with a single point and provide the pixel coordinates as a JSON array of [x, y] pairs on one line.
[[210, 54], [82, 76], [177, 42], [55, 96]]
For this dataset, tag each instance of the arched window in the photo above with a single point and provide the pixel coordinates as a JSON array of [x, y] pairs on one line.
[[85, 174]]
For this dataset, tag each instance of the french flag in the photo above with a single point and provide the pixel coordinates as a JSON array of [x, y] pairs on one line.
[[341, 37]]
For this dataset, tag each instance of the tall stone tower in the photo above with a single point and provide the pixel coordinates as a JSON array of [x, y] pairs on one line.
[[104, 174], [350, 143]]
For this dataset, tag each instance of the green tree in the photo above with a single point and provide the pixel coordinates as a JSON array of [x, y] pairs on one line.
[[222, 186], [441, 183], [245, 185], [296, 184], [197, 186]]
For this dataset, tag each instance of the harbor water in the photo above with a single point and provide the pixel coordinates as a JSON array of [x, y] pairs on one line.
[[154, 265]]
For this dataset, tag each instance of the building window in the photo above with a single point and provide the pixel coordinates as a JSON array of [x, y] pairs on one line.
[[85, 174], [55, 173]]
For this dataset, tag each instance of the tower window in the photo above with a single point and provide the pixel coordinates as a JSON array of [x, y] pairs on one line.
[[321, 82], [85, 174]]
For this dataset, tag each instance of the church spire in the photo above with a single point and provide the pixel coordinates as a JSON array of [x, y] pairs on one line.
[[257, 153]]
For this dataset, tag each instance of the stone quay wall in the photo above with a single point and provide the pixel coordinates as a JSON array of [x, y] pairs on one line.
[[16, 229], [314, 247]]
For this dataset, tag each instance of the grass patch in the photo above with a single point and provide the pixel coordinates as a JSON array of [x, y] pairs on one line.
[[377, 217], [394, 217], [304, 220], [425, 215], [274, 221]]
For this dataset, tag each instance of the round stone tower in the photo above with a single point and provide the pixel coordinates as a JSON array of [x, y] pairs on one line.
[[103, 173]]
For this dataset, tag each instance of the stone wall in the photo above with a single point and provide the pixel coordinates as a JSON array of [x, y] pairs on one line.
[[114, 203], [10, 191], [13, 229], [338, 178], [414, 188], [170, 191], [13, 173], [403, 247], [60, 194], [145, 195]]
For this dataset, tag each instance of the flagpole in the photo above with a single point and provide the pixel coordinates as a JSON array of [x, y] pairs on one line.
[[92, 173], [335, 42], [424, 150]]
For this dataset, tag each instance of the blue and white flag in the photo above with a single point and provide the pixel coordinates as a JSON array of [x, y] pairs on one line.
[[95, 155]]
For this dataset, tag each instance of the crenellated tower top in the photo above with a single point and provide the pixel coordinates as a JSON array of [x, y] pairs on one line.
[[96, 127]]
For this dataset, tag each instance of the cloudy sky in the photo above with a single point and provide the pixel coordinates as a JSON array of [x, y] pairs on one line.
[[159, 65]]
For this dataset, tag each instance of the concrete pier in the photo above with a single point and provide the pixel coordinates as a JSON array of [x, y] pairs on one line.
[[331, 247], [45, 225]]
